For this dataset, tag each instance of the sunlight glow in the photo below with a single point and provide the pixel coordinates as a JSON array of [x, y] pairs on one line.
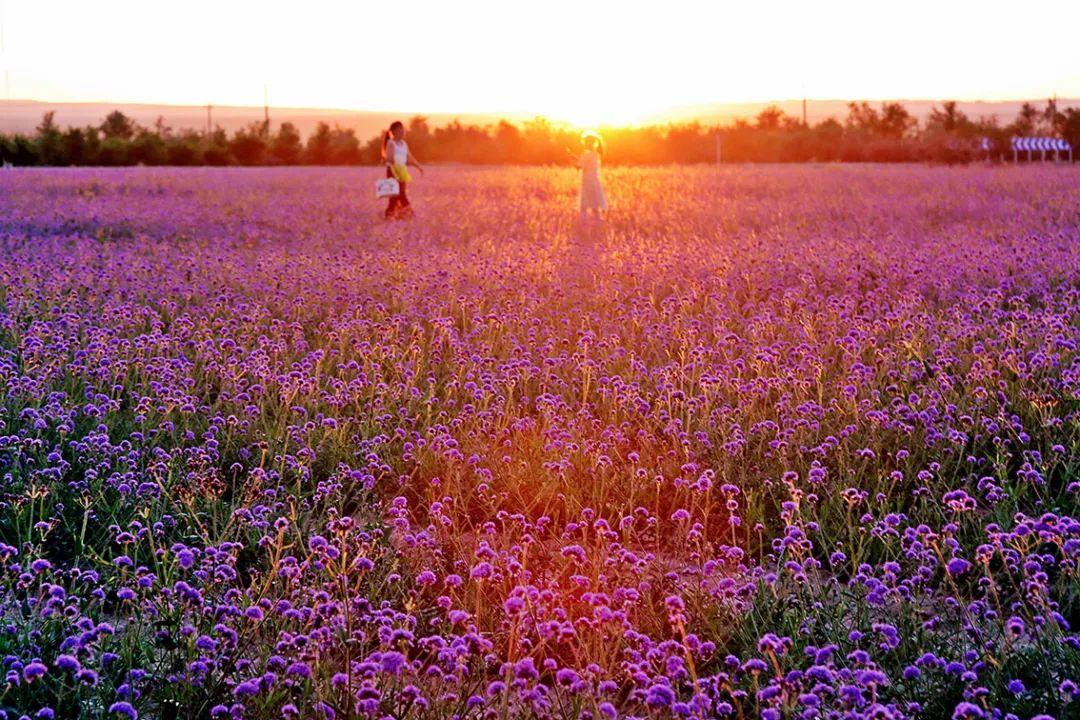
[[601, 62]]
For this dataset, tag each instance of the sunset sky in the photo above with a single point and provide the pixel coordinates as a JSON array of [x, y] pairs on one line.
[[583, 61]]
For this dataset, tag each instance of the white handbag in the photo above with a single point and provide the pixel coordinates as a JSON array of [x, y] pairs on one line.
[[386, 187]]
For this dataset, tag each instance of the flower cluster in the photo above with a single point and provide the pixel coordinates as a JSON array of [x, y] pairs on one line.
[[786, 443]]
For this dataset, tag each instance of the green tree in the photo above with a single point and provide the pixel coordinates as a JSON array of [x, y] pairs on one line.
[[1053, 119], [216, 148], [543, 143], [24, 150], [420, 136], [161, 128], [1027, 120], [118, 125], [319, 145], [988, 127], [1070, 129], [508, 142], [81, 145], [333, 146], [114, 152], [949, 119], [186, 148], [827, 139], [863, 117], [690, 142], [286, 147], [770, 118], [344, 146], [249, 145], [895, 121], [148, 148], [50, 141]]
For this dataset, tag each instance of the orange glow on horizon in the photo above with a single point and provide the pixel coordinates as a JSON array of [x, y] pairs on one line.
[[600, 62]]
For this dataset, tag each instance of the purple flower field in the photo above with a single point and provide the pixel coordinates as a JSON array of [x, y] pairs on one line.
[[785, 442]]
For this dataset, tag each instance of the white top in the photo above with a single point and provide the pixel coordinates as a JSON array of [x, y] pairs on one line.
[[592, 192], [397, 151], [590, 162]]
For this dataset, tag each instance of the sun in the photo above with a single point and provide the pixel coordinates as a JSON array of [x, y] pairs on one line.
[[592, 112]]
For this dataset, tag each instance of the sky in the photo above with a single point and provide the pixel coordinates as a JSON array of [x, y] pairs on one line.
[[584, 61]]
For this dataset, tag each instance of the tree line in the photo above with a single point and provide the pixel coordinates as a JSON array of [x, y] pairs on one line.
[[886, 133]]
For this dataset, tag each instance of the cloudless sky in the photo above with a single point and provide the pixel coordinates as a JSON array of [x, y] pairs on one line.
[[578, 60]]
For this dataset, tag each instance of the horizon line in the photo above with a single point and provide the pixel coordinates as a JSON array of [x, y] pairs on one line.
[[527, 113]]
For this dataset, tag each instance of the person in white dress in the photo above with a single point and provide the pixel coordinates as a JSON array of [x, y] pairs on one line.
[[591, 197]]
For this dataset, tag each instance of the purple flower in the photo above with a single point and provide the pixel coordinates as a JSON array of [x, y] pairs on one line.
[[525, 669], [755, 665], [299, 669], [34, 670], [659, 696], [246, 689], [67, 662], [567, 677], [872, 677], [513, 605], [124, 708], [968, 711], [770, 642], [481, 570], [392, 662], [957, 566], [573, 551], [87, 677]]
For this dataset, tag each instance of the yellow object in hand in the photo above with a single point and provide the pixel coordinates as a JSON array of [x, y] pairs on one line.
[[400, 172]]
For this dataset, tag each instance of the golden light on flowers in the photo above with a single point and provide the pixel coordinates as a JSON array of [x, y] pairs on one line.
[[484, 461]]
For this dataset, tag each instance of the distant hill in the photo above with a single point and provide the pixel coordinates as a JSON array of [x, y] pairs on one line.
[[24, 115], [818, 110]]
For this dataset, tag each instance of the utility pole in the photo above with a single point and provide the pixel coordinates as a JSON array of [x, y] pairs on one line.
[[209, 126], [804, 112], [1053, 117], [266, 106]]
